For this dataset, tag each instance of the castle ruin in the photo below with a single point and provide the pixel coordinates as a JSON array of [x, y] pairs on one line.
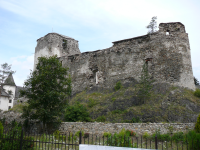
[[167, 53]]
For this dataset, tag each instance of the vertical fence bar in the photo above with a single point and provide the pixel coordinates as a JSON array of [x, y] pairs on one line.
[[156, 142], [99, 140], [124, 140], [103, 140], [80, 137], [88, 138], [21, 139], [146, 143], [150, 143], [66, 140], [72, 140], [92, 138], [128, 141], [107, 140]]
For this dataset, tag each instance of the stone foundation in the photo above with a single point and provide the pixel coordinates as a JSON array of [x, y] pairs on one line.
[[140, 128]]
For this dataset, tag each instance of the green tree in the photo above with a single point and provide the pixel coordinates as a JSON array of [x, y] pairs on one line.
[[77, 112], [146, 84], [197, 125], [196, 82], [47, 90], [4, 72], [152, 25]]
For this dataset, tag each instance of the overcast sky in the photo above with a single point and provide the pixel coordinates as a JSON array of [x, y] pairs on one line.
[[94, 23]]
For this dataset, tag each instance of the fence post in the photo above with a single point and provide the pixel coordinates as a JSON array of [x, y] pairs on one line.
[[21, 139], [156, 142], [80, 137]]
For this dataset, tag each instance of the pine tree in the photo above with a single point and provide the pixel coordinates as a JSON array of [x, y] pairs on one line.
[[152, 25], [146, 84]]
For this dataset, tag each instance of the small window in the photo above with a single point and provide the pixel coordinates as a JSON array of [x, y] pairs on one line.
[[10, 101], [61, 62], [167, 33], [9, 107]]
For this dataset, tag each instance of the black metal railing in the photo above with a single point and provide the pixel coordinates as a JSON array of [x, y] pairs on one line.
[[20, 140]]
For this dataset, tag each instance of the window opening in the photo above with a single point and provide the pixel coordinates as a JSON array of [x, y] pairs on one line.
[[10, 101], [167, 33]]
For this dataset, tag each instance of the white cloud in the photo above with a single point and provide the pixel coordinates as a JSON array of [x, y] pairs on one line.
[[22, 65]]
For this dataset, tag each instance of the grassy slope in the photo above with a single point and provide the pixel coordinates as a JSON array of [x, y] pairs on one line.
[[168, 104]]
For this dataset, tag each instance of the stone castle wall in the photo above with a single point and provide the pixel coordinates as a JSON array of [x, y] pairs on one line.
[[139, 128], [168, 58], [167, 53], [55, 44]]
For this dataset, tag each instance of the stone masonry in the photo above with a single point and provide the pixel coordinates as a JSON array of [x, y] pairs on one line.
[[167, 53], [139, 128]]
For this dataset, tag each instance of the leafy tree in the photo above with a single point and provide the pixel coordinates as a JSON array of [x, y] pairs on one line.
[[145, 84], [197, 125], [196, 82], [47, 90], [4, 72], [152, 25], [77, 112]]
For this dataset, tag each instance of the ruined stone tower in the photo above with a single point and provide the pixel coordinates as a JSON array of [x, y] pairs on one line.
[[166, 51], [55, 44]]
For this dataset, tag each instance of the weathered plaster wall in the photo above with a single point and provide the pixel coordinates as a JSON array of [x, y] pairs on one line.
[[169, 55], [55, 44], [139, 128], [4, 103]]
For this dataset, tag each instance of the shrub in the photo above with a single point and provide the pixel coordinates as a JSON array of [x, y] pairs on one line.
[[106, 134], [179, 136], [193, 139], [77, 112], [197, 125], [145, 135], [197, 93], [101, 119], [91, 102], [1, 129], [118, 86], [135, 120], [120, 139], [130, 133], [7, 144]]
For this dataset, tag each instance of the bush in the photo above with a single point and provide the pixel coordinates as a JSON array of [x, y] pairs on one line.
[[197, 125], [197, 93], [120, 139], [177, 137], [101, 119], [1, 129], [91, 102], [130, 133], [118, 86], [136, 120], [77, 112], [7, 144], [193, 139], [106, 134], [145, 135]]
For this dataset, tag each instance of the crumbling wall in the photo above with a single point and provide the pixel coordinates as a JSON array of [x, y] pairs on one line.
[[167, 53], [55, 44]]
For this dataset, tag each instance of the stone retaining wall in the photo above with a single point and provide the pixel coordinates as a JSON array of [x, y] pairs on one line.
[[139, 128]]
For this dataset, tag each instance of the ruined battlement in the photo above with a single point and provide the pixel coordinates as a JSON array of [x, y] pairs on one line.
[[168, 49]]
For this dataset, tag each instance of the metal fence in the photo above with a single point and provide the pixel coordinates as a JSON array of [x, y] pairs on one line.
[[19, 140]]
